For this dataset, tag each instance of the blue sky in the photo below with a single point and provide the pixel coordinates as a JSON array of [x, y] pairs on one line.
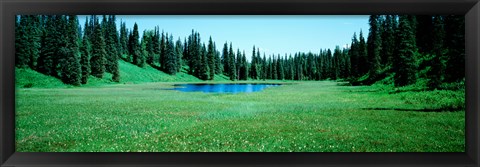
[[272, 34]]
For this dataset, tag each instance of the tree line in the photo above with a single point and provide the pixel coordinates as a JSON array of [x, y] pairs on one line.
[[399, 45], [410, 47]]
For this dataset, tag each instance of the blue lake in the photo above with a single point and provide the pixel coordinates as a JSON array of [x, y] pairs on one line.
[[222, 88]]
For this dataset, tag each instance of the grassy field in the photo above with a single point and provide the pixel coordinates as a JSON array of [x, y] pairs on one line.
[[318, 116]]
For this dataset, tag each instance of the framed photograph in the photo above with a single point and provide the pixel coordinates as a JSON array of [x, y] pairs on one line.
[[239, 83]]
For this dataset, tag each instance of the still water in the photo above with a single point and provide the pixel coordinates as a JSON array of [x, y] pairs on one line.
[[222, 88]]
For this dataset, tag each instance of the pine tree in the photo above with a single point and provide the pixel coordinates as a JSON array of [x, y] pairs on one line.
[[49, 47], [149, 47], [97, 61], [142, 52], [135, 49], [170, 57], [85, 50], [202, 64], [61, 35], [27, 41], [404, 66], [424, 34], [163, 47], [225, 60], [253, 67], [437, 71], [70, 67], [281, 70], [231, 64], [123, 39], [130, 45], [319, 60], [238, 64], [374, 47], [112, 46], [244, 68], [156, 46], [211, 59], [179, 54], [337, 53], [274, 71], [263, 69], [388, 40], [347, 64], [354, 57], [455, 43], [269, 68], [362, 56], [218, 61], [291, 68]]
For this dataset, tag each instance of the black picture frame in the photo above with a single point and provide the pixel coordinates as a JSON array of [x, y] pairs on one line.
[[10, 8]]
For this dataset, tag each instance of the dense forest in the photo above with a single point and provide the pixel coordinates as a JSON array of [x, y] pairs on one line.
[[400, 49]]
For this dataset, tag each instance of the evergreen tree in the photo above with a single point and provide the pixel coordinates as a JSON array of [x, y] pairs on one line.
[[27, 41], [71, 68], [123, 39], [337, 53], [244, 68], [253, 67], [424, 34], [231, 64], [211, 59], [156, 46], [374, 47], [269, 68], [49, 47], [61, 35], [97, 61], [291, 68], [218, 61], [437, 70], [225, 60], [346, 68], [404, 66], [263, 69], [354, 57], [362, 56], [61, 40], [170, 57], [202, 65], [148, 39], [85, 50], [455, 43], [163, 50], [112, 43], [388, 40], [281, 70], [179, 54], [238, 64], [130, 45], [274, 71], [135, 49]]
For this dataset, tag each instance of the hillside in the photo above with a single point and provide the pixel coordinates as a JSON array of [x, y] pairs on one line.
[[129, 74]]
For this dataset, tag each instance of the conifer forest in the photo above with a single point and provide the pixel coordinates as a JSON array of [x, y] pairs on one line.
[[398, 86]]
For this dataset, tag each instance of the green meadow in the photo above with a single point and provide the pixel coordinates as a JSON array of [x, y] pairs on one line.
[[304, 116]]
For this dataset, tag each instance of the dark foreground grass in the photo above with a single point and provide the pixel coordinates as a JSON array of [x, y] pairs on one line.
[[305, 116]]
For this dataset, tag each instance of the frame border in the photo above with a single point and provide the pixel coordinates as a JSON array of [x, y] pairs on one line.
[[10, 8]]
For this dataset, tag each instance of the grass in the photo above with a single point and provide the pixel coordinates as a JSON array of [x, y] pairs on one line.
[[316, 116], [129, 74]]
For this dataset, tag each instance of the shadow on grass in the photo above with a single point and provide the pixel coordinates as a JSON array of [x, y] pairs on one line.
[[417, 110], [412, 90], [373, 90]]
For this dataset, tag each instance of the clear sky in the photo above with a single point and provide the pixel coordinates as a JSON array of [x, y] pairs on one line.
[[272, 34]]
